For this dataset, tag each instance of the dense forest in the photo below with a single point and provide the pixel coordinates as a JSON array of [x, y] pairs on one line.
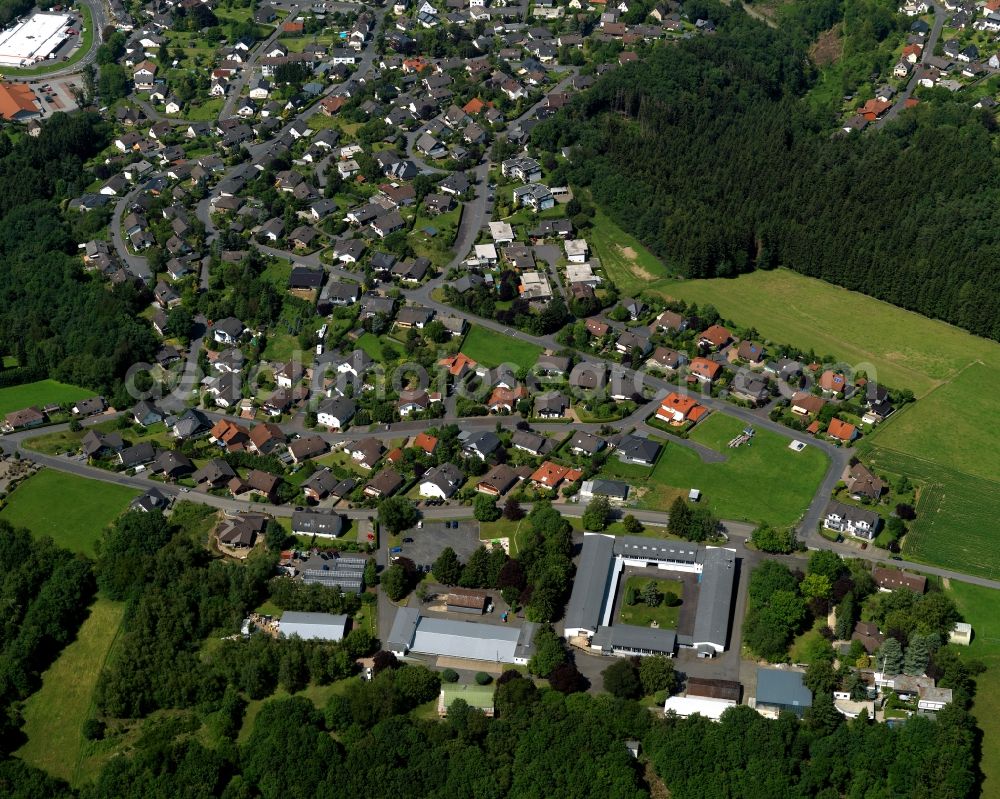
[[44, 592], [708, 153], [57, 320], [542, 743]]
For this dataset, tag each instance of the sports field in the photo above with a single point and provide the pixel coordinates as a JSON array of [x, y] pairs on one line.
[[490, 348], [54, 715], [765, 481], [42, 392], [71, 510]]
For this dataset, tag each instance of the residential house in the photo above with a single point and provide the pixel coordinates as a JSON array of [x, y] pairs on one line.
[[714, 338], [893, 579], [704, 370], [636, 449], [551, 475], [498, 480], [442, 481], [858, 522], [306, 447], [336, 413], [676, 409], [862, 483], [383, 485], [366, 452]]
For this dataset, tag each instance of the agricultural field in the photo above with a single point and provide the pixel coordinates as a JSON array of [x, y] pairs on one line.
[[40, 393], [952, 425], [54, 715], [492, 349], [956, 514], [765, 481], [628, 264], [72, 510], [947, 438], [978, 606], [903, 349]]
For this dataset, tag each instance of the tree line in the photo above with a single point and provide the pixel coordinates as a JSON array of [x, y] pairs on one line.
[[707, 152]]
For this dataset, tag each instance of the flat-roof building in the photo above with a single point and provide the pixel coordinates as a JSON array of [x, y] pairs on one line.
[[780, 690], [345, 571], [412, 633], [313, 626], [35, 39]]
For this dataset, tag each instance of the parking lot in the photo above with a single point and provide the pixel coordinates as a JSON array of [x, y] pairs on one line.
[[433, 537]]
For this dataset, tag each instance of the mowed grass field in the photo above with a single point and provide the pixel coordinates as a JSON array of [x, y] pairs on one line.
[[979, 607], [763, 482], [54, 715], [628, 264], [42, 392], [490, 348], [72, 510]]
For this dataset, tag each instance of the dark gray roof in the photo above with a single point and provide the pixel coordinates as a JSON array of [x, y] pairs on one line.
[[711, 621], [404, 626], [781, 687], [591, 582], [317, 523], [635, 639]]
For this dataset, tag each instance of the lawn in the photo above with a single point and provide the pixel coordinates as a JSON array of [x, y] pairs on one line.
[[72, 510], [54, 715], [956, 514], [763, 482], [628, 264], [40, 393], [641, 614], [979, 607], [490, 349], [378, 349], [207, 111]]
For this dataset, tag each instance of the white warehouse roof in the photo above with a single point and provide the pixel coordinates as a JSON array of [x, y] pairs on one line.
[[313, 626]]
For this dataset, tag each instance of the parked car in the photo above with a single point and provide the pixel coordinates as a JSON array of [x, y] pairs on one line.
[[407, 540]]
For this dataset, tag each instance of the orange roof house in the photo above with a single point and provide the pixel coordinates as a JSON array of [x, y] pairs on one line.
[[874, 109], [842, 431], [506, 399], [705, 370], [715, 337], [832, 381], [677, 408], [417, 64], [912, 51], [474, 106], [395, 455], [17, 101], [549, 475], [814, 427], [231, 435], [425, 442], [458, 365]]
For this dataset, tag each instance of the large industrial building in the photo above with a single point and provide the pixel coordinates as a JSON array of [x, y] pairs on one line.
[[423, 635], [313, 626], [592, 602], [346, 571], [32, 40]]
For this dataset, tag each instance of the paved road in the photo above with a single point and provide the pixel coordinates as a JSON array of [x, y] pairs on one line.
[[940, 16], [135, 264]]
